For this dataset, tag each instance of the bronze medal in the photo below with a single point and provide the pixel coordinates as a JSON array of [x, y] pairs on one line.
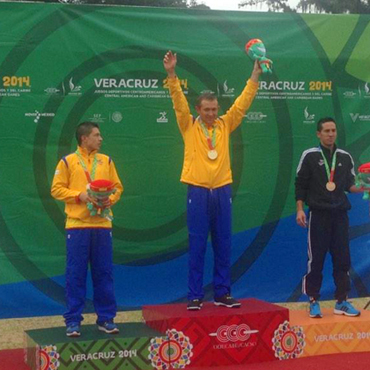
[[330, 186]]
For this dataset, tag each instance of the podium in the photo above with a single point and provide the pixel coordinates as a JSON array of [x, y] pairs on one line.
[[175, 338], [221, 336]]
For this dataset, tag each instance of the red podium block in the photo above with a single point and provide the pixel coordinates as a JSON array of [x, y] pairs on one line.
[[218, 336]]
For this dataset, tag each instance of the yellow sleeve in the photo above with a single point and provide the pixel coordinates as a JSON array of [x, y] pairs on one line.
[[60, 186], [180, 104], [235, 114], [114, 198]]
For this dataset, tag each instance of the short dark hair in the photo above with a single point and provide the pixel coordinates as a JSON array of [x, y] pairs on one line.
[[205, 96], [324, 120], [84, 129]]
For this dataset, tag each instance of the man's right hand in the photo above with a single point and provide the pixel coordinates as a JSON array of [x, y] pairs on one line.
[[169, 63], [301, 219]]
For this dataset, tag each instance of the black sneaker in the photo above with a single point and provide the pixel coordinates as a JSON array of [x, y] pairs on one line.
[[195, 305], [227, 301]]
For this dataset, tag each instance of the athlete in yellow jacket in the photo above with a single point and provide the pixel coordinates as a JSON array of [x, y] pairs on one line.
[[207, 172], [89, 238]]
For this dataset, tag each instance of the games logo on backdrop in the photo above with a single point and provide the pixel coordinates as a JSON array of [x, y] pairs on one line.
[[133, 88], [294, 90], [15, 86]]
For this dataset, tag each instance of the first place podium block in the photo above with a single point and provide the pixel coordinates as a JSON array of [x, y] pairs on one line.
[[51, 349], [219, 336]]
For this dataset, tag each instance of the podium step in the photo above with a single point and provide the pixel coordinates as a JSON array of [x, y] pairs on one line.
[[220, 336], [51, 349], [333, 334]]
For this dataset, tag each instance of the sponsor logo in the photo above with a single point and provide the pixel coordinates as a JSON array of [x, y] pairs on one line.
[[233, 333], [364, 91], [308, 118], [349, 94], [225, 90], [52, 91], [70, 88], [255, 117], [97, 118], [321, 162], [37, 115], [163, 117], [354, 116], [360, 117], [207, 91], [116, 117]]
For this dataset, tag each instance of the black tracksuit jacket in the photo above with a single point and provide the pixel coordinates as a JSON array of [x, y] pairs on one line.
[[311, 179]]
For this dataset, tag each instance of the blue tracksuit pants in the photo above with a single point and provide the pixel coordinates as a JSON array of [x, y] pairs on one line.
[[209, 210], [94, 246]]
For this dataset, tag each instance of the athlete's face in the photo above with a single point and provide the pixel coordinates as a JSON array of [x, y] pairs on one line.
[[208, 110], [92, 141], [328, 134]]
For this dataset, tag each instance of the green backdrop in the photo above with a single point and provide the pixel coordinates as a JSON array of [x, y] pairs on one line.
[[62, 64]]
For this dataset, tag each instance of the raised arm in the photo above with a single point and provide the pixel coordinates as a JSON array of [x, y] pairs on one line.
[[180, 104], [235, 114], [256, 73], [169, 63]]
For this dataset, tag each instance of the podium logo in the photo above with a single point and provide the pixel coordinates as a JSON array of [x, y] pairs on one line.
[[233, 333]]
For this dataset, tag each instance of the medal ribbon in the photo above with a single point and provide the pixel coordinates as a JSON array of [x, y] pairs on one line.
[[211, 142], [329, 172], [83, 165]]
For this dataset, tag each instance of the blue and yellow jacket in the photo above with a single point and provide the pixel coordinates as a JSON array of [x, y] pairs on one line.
[[198, 169], [70, 180]]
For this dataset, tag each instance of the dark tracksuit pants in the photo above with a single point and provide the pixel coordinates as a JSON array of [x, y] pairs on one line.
[[328, 232], [209, 210], [94, 246]]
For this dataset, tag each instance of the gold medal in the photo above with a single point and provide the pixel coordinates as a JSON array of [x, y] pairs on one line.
[[330, 186], [212, 154]]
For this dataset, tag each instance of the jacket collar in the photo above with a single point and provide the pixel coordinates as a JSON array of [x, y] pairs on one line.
[[85, 153]]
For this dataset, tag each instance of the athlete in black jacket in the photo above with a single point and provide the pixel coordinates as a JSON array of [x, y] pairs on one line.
[[324, 174]]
